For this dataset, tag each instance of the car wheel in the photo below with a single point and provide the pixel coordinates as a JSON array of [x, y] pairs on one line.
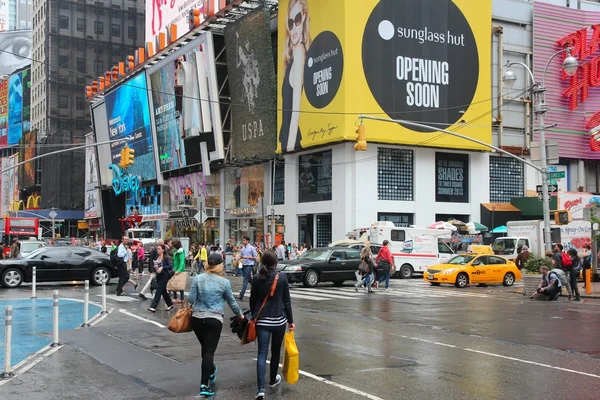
[[509, 279], [99, 275], [12, 278], [435, 283], [406, 271], [311, 279], [462, 280], [338, 283]]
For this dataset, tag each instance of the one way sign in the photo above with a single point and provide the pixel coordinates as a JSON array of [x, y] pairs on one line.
[[551, 188]]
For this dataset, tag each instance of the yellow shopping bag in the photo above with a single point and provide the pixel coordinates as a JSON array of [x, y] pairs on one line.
[[291, 359]]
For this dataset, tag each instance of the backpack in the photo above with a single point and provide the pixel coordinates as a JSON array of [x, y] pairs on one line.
[[116, 260], [560, 275], [566, 261]]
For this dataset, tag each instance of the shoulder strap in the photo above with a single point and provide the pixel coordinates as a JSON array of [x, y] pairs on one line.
[[271, 293]]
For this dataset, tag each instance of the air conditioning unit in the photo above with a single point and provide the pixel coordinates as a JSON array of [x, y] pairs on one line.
[[213, 212]]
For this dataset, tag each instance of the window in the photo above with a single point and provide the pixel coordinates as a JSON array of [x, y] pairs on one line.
[[115, 30], [506, 179], [444, 249], [279, 183], [98, 27], [394, 174], [338, 255], [99, 67], [63, 22], [353, 254], [63, 61], [398, 235], [81, 64], [79, 103], [496, 260], [80, 25], [63, 101], [132, 32]]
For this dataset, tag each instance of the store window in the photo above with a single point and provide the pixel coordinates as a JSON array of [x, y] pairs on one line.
[[394, 174], [323, 230], [279, 181], [244, 186], [506, 179]]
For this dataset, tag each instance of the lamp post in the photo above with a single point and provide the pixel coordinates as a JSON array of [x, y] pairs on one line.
[[570, 65]]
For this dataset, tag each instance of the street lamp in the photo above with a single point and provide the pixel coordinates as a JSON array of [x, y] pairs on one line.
[[570, 65]]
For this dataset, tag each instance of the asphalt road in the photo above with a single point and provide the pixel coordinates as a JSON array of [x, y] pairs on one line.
[[414, 342]]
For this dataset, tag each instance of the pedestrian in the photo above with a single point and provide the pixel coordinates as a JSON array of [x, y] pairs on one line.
[[203, 257], [281, 251], [103, 246], [153, 256], [575, 271], [179, 279], [368, 274], [294, 252], [191, 259], [248, 257], [562, 261], [549, 287], [208, 294], [586, 260], [163, 267], [521, 260], [271, 289], [385, 262], [15, 249], [123, 256]]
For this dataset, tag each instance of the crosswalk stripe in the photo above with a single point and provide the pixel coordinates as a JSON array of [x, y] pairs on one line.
[[308, 297], [348, 292], [330, 295]]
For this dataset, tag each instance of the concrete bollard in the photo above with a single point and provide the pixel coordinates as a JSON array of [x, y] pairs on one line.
[[86, 303], [55, 340], [33, 283], [103, 297], [7, 344]]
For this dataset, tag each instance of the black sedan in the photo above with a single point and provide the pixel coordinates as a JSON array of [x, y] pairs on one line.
[[63, 263], [328, 264]]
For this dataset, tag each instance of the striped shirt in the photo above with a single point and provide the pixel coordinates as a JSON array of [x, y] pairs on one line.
[[271, 321]]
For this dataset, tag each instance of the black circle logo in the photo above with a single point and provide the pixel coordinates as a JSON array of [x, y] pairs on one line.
[[421, 61], [323, 70]]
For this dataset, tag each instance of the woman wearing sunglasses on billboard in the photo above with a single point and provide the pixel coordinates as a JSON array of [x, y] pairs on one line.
[[297, 42]]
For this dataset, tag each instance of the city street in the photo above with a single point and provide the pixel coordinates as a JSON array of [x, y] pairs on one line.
[[412, 342]]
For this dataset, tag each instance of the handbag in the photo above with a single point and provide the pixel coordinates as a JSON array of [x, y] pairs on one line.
[[250, 332], [182, 320], [177, 282], [363, 267], [384, 264], [291, 359]]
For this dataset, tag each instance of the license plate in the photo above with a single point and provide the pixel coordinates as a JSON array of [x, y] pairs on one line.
[[430, 277]]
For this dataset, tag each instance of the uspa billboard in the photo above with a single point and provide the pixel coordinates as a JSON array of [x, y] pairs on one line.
[[426, 61], [128, 116], [252, 86]]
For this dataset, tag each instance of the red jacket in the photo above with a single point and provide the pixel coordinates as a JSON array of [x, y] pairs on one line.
[[385, 253]]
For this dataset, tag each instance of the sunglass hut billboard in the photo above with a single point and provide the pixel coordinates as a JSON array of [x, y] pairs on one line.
[[426, 61]]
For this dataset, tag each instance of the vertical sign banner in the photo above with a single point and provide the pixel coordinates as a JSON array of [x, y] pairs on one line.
[[314, 180], [13, 179], [92, 198], [28, 151], [252, 86], [3, 112], [5, 197], [425, 61], [128, 115], [26, 80], [574, 101], [452, 178], [15, 108]]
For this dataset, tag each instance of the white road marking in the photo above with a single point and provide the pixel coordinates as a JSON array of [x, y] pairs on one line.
[[141, 318], [99, 317], [120, 299]]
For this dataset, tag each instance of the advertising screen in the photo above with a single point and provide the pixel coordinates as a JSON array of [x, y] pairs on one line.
[[27, 152], [3, 113], [452, 178], [26, 81], [314, 179], [20, 40], [15, 108], [424, 61], [252, 86], [6, 199], [128, 116], [91, 200]]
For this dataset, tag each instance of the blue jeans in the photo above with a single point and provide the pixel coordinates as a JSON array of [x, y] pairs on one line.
[[263, 335], [385, 277], [247, 278], [367, 280]]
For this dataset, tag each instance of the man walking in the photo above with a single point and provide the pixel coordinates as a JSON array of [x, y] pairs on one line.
[[153, 256], [123, 256], [249, 256], [281, 251]]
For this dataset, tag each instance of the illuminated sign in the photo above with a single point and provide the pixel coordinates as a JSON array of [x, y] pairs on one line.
[[124, 182]]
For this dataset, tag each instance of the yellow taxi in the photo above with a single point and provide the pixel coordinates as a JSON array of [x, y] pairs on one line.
[[471, 268]]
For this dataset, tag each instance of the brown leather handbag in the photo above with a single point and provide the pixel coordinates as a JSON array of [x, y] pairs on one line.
[[182, 320], [250, 332]]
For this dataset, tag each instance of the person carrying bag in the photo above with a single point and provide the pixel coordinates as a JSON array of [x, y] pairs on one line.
[[271, 290]]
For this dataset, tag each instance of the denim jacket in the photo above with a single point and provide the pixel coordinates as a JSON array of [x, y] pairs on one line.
[[209, 293]]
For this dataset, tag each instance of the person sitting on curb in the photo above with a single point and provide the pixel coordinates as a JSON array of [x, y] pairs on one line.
[[550, 286]]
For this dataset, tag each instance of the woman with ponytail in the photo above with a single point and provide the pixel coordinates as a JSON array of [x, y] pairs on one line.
[[272, 319]]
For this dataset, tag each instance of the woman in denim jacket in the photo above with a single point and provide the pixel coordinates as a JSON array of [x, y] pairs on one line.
[[208, 293]]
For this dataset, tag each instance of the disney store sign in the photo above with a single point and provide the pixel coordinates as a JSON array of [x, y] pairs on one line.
[[123, 182]]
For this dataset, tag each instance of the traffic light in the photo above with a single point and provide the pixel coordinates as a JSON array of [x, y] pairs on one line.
[[562, 217], [361, 139], [127, 156]]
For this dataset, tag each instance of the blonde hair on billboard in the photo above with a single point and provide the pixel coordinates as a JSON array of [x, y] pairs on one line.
[[288, 52]]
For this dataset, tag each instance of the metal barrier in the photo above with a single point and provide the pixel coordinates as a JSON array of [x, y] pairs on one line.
[[55, 340], [7, 344], [33, 283]]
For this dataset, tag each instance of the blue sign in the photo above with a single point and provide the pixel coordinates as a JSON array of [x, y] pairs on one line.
[[123, 182]]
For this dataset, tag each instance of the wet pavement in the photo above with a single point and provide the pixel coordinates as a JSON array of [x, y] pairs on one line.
[[413, 342]]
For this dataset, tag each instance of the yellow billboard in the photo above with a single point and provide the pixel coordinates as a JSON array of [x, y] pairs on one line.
[[424, 61]]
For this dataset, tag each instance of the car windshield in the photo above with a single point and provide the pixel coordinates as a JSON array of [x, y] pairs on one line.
[[34, 253], [461, 260], [316, 254], [504, 246]]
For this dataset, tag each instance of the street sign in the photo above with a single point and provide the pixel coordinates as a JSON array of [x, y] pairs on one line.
[[274, 217], [551, 188], [201, 217], [52, 214], [556, 175]]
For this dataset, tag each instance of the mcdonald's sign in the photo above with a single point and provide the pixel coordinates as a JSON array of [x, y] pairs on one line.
[[33, 202], [17, 205]]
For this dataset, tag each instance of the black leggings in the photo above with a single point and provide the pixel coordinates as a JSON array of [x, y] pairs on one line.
[[208, 332]]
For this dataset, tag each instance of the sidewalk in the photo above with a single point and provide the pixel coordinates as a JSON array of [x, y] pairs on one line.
[[531, 281]]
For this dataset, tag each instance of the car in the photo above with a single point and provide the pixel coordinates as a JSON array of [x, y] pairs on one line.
[[27, 246], [324, 264], [54, 264], [472, 268]]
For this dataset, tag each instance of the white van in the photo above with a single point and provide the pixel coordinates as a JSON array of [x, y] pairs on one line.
[[413, 249]]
